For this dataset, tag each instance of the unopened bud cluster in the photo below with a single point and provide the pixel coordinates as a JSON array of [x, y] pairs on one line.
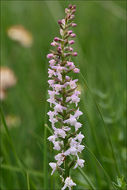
[[64, 99]]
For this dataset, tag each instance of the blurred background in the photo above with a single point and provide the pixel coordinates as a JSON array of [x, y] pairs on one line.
[[27, 29]]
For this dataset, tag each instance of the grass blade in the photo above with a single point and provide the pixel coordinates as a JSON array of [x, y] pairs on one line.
[[19, 170], [10, 140], [106, 130], [100, 165], [86, 178], [28, 182]]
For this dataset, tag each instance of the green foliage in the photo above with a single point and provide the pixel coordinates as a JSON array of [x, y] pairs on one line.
[[121, 183], [100, 42]]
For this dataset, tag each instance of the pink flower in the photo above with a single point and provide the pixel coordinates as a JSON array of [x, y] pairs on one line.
[[52, 138], [79, 137], [60, 133], [67, 10], [80, 148], [59, 48], [59, 108], [54, 44], [59, 68], [52, 62], [60, 22], [58, 87], [77, 126], [68, 183], [72, 120], [72, 151], [52, 118], [56, 145], [73, 84], [70, 64], [66, 128], [51, 83], [74, 24], [80, 162], [73, 35], [51, 72], [78, 113], [63, 22], [74, 6], [64, 99], [50, 55], [73, 11], [75, 54], [53, 166], [67, 78], [72, 17], [60, 158], [56, 39], [75, 99], [71, 42], [70, 32], [70, 49], [70, 6], [76, 70]]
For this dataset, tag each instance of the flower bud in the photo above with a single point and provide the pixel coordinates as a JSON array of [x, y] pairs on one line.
[[59, 49], [52, 61], [56, 39], [73, 35], [73, 24], [70, 64], [74, 6], [60, 22], [50, 55], [70, 6], [70, 32], [73, 11], [70, 49], [54, 44], [75, 54], [67, 78], [61, 32], [67, 10], [71, 42], [72, 17]]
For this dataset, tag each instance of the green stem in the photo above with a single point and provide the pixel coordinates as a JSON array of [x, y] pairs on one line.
[[10, 140], [66, 174]]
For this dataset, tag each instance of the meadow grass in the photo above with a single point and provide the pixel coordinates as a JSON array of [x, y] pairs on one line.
[[100, 42]]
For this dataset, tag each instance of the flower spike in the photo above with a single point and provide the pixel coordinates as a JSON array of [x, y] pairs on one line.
[[64, 99]]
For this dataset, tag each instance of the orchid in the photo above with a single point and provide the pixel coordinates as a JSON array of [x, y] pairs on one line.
[[64, 99]]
